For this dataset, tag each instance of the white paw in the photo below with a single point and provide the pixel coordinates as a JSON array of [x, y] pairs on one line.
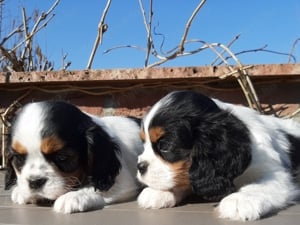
[[156, 199], [78, 201], [239, 206], [18, 197]]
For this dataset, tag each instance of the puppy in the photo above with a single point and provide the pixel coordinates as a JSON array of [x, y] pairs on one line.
[[80, 161], [221, 152]]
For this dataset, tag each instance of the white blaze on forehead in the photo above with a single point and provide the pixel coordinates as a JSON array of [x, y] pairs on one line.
[[159, 175], [165, 101], [146, 126], [28, 126]]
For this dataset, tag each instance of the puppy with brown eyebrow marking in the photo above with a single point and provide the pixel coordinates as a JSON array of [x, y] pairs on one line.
[[80, 161], [221, 152]]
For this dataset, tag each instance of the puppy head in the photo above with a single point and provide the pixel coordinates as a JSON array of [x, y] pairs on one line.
[[54, 148], [187, 145], [168, 136]]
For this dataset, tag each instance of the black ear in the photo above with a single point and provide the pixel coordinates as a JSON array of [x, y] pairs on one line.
[[207, 182], [105, 165], [10, 175], [221, 152]]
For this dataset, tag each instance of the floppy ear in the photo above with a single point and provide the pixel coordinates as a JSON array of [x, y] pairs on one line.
[[206, 180], [10, 175], [221, 153], [105, 165]]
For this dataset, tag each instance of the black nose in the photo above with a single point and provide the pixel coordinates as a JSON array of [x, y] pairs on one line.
[[37, 182], [142, 167]]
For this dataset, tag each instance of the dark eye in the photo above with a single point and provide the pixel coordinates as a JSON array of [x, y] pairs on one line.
[[163, 146], [61, 158], [19, 160], [66, 160], [165, 150]]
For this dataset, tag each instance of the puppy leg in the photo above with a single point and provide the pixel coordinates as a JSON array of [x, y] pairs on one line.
[[79, 201], [156, 199], [17, 196], [255, 200]]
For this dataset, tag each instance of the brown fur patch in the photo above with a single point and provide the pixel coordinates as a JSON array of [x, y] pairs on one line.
[[19, 148], [156, 133], [142, 135], [181, 174], [181, 171], [51, 144], [75, 179]]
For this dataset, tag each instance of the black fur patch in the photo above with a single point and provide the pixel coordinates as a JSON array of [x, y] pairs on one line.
[[222, 152]]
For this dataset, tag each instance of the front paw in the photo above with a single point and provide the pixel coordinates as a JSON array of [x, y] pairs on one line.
[[18, 197], [239, 206], [156, 199], [78, 201]]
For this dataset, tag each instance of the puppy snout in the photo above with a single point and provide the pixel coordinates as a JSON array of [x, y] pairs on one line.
[[142, 167], [37, 182]]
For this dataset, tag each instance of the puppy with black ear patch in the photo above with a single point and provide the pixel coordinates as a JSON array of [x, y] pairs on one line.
[[221, 152], [80, 161]]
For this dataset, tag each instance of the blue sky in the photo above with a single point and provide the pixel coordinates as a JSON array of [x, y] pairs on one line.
[[73, 30]]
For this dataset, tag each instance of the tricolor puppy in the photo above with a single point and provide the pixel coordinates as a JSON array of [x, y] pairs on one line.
[[221, 152], [80, 161]]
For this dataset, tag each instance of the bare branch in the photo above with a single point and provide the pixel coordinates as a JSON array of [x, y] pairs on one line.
[[292, 50], [37, 27], [19, 29], [148, 26], [228, 45], [261, 49], [11, 56], [187, 27], [149, 38], [42, 17], [124, 46], [28, 45], [102, 27]]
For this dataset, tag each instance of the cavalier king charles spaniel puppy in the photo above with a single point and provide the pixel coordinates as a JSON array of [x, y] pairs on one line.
[[221, 152], [79, 161]]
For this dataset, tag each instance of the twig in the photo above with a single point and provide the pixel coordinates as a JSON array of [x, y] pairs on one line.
[[28, 42], [187, 27], [261, 49], [292, 50], [148, 26], [11, 56], [102, 27], [228, 46], [19, 29], [36, 27], [124, 46], [42, 17]]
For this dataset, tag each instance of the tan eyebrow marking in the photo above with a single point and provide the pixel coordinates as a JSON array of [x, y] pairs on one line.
[[51, 144], [19, 148], [156, 133]]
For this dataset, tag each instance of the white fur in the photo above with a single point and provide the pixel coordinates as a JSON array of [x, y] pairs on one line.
[[265, 187], [79, 201], [156, 199], [27, 132]]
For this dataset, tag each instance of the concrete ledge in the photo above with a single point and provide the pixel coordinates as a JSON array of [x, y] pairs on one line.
[[208, 72]]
